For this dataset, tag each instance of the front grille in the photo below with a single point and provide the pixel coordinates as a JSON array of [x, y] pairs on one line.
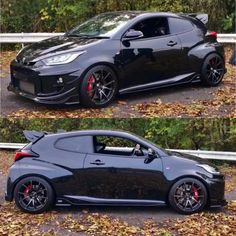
[[26, 87]]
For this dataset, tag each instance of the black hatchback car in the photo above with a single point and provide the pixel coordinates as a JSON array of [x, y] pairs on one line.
[[99, 167], [118, 52]]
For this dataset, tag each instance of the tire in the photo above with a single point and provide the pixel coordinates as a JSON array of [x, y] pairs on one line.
[[98, 87], [33, 195], [213, 70], [188, 196]]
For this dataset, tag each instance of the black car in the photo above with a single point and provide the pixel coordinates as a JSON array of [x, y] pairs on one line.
[[118, 52], [99, 167]]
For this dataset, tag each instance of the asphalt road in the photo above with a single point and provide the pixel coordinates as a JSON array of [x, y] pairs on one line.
[[184, 94]]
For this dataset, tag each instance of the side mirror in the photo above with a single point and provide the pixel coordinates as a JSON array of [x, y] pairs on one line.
[[151, 156], [132, 35], [151, 153]]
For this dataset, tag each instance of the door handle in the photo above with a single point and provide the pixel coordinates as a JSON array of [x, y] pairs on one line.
[[97, 162], [171, 43]]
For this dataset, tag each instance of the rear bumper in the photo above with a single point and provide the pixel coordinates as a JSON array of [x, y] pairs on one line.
[[9, 190], [45, 85], [8, 198]]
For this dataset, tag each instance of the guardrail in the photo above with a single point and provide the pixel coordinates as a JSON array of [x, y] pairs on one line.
[[26, 37], [214, 155], [12, 145], [36, 37]]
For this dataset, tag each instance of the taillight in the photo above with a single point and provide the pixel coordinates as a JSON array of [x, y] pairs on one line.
[[212, 34], [20, 155]]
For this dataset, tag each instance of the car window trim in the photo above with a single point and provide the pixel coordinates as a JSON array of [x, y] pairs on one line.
[[67, 150], [161, 36], [114, 155], [183, 32], [129, 139], [146, 18]]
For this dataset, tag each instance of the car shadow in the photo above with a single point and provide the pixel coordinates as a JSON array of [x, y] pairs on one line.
[[163, 210]]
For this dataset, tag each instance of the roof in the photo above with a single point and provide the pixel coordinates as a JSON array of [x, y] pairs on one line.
[[95, 132], [145, 13]]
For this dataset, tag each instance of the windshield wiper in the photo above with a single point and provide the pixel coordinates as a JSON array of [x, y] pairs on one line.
[[97, 37], [88, 36], [74, 35]]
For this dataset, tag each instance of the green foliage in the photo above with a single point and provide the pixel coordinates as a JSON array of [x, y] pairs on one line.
[[205, 134], [62, 15], [229, 23]]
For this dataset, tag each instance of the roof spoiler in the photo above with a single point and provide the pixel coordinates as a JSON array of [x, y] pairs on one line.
[[33, 136], [199, 16]]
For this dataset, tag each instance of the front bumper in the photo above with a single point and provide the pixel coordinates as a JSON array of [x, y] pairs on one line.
[[216, 191], [45, 85]]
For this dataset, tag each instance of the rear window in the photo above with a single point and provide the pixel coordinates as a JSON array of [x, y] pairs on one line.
[[178, 25], [74, 144]]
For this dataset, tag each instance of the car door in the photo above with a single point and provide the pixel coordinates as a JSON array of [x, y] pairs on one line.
[[152, 58], [189, 37], [113, 175]]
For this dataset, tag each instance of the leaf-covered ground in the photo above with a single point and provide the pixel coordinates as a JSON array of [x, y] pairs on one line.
[[185, 101], [87, 222], [14, 222]]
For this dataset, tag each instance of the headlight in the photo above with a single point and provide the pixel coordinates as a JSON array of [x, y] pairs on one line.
[[20, 51], [62, 58], [209, 169]]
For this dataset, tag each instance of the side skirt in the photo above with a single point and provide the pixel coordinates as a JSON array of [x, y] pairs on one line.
[[83, 200], [180, 79]]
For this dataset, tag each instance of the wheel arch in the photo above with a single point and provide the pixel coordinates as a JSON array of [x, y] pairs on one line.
[[101, 63], [215, 52], [197, 55], [189, 176], [33, 175]]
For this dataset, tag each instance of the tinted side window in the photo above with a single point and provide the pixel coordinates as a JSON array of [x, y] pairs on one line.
[[178, 26], [112, 145], [153, 27], [113, 141], [74, 144]]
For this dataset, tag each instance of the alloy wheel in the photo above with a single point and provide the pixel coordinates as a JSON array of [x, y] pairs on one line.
[[101, 86], [32, 195], [189, 196], [215, 70]]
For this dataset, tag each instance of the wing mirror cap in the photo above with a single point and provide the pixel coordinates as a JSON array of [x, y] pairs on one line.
[[151, 156], [151, 153], [132, 35]]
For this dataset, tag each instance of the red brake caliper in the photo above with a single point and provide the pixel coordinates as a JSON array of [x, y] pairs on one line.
[[26, 191], [91, 81], [195, 192]]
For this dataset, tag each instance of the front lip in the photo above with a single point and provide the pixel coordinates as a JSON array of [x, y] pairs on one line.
[[61, 98]]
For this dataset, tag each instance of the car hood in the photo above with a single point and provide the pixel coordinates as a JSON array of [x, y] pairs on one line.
[[190, 158], [55, 45]]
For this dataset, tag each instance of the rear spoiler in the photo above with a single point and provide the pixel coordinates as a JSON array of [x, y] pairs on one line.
[[199, 16], [33, 136]]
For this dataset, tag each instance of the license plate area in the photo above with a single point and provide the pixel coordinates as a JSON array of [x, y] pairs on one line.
[[26, 87]]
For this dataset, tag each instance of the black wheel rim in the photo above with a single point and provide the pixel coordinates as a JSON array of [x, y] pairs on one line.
[[215, 70], [189, 196], [101, 86], [32, 195]]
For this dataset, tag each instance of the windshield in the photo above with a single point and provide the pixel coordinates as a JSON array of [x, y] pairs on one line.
[[103, 25]]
